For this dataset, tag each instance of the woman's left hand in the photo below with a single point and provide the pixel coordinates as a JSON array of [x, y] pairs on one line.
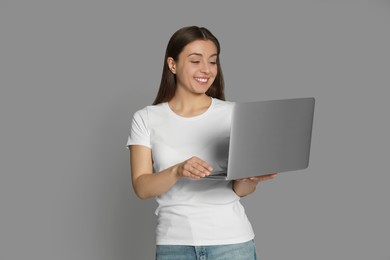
[[257, 179], [245, 186]]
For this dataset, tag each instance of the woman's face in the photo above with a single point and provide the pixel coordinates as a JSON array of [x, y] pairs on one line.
[[196, 67]]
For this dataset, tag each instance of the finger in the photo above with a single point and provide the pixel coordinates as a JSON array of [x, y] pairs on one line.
[[263, 178], [266, 175], [197, 171], [201, 165], [193, 171], [203, 169], [201, 162], [193, 176], [244, 180], [259, 179], [271, 175], [189, 174]]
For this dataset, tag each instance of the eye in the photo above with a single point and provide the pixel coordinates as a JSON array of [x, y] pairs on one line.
[[195, 61], [213, 62]]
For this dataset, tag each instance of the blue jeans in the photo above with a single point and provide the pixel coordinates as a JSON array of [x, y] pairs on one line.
[[241, 251]]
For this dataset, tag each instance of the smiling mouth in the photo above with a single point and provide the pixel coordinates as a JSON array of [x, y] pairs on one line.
[[202, 80]]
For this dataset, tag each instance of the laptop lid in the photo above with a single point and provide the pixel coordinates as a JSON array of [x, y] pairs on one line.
[[269, 136]]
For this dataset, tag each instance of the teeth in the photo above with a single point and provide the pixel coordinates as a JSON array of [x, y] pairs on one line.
[[203, 80]]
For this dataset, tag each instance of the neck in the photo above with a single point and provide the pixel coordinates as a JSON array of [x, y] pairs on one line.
[[189, 105]]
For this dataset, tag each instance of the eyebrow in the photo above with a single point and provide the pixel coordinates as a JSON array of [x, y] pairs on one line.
[[199, 54]]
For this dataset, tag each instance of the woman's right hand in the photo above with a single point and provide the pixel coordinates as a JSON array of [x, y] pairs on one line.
[[147, 184], [194, 168]]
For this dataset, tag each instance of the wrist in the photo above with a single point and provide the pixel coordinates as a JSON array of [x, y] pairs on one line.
[[243, 188], [175, 172]]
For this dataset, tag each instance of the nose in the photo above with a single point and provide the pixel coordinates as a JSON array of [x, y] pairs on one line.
[[205, 67]]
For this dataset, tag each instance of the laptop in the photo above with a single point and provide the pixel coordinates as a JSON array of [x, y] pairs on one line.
[[270, 136]]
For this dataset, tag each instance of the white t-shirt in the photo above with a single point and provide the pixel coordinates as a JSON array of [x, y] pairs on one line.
[[192, 212]]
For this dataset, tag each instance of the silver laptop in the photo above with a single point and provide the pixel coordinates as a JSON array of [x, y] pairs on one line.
[[268, 136]]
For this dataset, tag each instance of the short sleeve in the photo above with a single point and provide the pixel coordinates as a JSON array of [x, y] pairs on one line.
[[139, 132]]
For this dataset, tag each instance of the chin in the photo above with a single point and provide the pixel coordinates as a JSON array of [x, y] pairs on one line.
[[201, 90]]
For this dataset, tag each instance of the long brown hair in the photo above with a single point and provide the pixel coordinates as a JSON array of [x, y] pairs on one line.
[[175, 46]]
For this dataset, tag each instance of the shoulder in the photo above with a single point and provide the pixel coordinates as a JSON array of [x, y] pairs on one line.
[[150, 114], [222, 105], [149, 110]]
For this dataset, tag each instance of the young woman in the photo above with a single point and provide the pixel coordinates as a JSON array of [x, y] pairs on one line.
[[177, 142]]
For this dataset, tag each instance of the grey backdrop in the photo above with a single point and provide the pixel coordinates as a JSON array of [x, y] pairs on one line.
[[73, 72]]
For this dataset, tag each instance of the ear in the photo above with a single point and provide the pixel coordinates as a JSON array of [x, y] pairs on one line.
[[171, 64]]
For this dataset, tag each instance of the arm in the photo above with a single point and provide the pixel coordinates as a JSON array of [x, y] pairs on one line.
[[246, 186], [147, 184]]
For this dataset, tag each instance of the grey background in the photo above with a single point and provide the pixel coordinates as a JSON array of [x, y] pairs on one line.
[[73, 72]]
